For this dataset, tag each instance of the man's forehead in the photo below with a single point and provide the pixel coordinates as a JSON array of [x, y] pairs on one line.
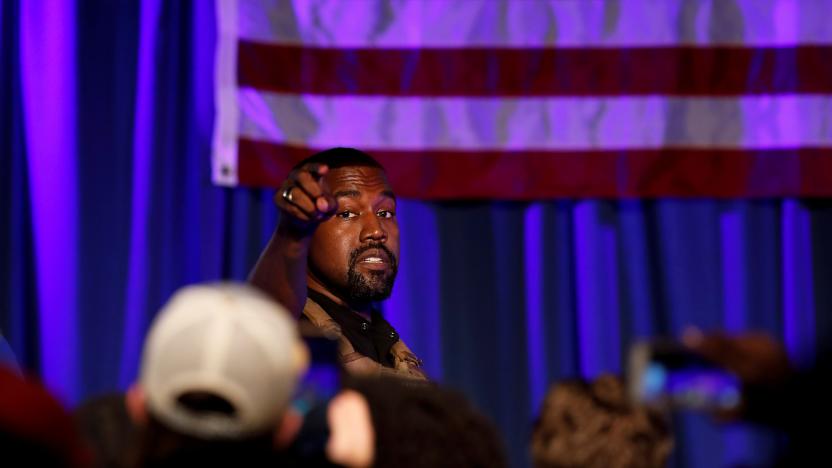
[[357, 178]]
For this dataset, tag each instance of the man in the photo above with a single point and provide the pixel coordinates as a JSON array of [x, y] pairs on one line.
[[334, 254]]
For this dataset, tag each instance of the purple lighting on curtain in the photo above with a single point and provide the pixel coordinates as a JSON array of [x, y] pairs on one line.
[[588, 296], [797, 277], [734, 270], [47, 30], [598, 307], [635, 260], [533, 245], [735, 303], [142, 164], [414, 306], [798, 287]]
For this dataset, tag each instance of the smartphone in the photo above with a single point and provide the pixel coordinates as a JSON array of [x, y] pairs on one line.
[[668, 375], [323, 378], [321, 382]]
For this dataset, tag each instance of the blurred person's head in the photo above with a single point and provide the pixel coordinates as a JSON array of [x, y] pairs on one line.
[[394, 422], [594, 425], [354, 254], [219, 367], [35, 429]]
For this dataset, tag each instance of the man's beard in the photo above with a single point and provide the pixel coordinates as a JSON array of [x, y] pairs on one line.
[[372, 285]]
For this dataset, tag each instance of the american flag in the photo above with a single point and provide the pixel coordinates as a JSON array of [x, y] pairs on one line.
[[532, 99]]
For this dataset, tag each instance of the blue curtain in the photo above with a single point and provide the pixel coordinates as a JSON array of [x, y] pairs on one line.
[[106, 208]]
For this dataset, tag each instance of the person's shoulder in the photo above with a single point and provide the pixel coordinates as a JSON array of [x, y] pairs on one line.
[[107, 427], [105, 413]]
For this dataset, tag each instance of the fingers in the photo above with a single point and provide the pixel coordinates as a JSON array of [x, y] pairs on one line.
[[712, 345], [288, 428], [718, 348], [303, 195], [311, 182], [300, 198], [753, 356], [291, 208], [313, 199], [327, 205]]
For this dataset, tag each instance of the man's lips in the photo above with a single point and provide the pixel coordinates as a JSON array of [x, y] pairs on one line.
[[374, 259], [374, 256]]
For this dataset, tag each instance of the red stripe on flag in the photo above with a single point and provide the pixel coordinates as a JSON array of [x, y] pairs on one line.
[[676, 71], [529, 175]]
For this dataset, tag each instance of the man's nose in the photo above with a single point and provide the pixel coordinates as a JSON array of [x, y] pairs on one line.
[[372, 229]]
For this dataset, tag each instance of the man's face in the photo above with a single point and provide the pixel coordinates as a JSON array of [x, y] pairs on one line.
[[354, 254]]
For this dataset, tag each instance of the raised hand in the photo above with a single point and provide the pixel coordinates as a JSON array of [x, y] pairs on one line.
[[755, 357], [304, 200]]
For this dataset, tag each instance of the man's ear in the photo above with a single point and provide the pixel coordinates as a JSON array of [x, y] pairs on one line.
[[288, 428], [136, 403]]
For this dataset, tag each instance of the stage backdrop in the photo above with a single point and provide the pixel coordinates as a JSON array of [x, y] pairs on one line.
[[532, 99], [107, 206]]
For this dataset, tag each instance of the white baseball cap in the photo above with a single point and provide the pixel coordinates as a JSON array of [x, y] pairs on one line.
[[225, 340]]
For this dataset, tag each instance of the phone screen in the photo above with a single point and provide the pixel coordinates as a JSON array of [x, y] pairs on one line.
[[321, 382], [323, 378], [324, 374], [668, 374]]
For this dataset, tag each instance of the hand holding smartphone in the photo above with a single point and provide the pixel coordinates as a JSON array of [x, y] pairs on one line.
[[666, 374]]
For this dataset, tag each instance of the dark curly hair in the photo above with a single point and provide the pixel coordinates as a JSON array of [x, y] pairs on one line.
[[593, 425], [341, 157], [420, 424]]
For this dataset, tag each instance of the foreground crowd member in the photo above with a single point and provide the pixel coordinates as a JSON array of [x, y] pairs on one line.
[[35, 429], [219, 367], [593, 425], [335, 253], [775, 391], [398, 423]]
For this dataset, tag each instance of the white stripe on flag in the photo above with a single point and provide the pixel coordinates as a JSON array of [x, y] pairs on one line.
[[578, 23], [224, 162], [537, 123]]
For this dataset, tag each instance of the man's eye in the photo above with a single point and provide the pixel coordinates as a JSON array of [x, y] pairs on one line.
[[346, 215], [386, 214]]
